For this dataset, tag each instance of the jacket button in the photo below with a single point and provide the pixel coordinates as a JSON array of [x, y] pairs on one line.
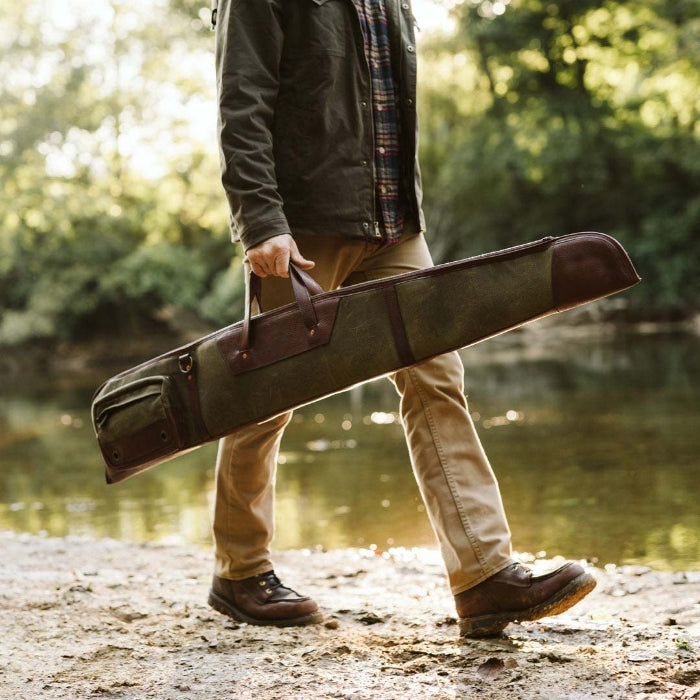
[[405, 6], [410, 49]]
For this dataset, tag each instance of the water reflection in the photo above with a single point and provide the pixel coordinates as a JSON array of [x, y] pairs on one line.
[[596, 451]]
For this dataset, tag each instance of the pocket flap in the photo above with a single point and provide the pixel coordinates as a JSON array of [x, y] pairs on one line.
[[137, 423]]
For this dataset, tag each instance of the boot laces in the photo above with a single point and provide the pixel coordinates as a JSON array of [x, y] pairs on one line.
[[270, 581]]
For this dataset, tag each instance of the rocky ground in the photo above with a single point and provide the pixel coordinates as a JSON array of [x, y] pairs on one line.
[[104, 619]]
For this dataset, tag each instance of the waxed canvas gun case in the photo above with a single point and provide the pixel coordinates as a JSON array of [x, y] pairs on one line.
[[255, 369]]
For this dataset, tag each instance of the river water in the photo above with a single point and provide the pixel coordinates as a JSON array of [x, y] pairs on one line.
[[596, 444]]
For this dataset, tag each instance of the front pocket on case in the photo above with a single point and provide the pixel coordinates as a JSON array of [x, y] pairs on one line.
[[136, 423]]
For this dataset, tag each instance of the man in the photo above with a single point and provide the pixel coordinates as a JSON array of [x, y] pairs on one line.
[[317, 117]]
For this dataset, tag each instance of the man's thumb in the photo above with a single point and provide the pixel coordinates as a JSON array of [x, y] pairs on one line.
[[298, 259]]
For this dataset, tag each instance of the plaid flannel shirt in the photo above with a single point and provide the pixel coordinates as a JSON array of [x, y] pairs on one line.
[[387, 163]]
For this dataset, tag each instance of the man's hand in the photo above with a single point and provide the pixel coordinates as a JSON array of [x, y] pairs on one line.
[[272, 256]]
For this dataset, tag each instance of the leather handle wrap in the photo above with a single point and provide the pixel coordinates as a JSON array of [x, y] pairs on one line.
[[304, 287]]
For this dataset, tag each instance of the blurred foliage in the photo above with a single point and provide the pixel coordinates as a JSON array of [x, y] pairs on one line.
[[110, 204], [541, 118], [537, 118]]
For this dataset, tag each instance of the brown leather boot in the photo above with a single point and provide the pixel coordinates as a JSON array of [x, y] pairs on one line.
[[262, 600], [514, 595]]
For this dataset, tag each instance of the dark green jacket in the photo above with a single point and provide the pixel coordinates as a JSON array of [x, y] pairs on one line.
[[295, 117]]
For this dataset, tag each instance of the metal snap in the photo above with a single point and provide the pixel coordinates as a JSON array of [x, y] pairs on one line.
[[185, 363]]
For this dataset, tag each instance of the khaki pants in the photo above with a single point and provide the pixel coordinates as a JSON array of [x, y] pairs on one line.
[[456, 481]]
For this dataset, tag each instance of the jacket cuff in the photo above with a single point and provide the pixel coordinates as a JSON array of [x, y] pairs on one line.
[[253, 235]]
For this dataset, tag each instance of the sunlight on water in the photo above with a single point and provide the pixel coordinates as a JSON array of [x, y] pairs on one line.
[[596, 452]]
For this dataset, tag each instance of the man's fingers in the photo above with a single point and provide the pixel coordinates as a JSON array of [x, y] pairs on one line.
[[303, 263], [298, 259], [258, 270], [281, 264], [272, 256]]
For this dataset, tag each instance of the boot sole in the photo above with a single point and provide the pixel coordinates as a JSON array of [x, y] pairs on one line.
[[494, 624], [225, 607]]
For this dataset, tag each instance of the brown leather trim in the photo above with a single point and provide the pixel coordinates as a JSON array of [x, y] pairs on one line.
[[588, 266], [193, 396], [155, 440], [304, 287], [398, 330], [279, 335]]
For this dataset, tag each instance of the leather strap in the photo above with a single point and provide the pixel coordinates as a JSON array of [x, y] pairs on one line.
[[304, 287], [189, 369], [398, 330]]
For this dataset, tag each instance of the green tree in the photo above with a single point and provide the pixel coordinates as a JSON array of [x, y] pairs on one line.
[[576, 115], [110, 202], [537, 118]]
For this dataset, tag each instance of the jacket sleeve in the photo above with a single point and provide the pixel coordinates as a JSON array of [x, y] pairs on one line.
[[249, 39]]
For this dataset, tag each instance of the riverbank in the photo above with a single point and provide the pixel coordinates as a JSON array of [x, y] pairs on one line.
[[83, 618]]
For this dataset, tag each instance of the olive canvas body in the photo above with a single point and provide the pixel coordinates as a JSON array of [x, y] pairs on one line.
[[266, 364]]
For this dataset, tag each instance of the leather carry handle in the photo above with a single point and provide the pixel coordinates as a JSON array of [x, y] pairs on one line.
[[304, 287]]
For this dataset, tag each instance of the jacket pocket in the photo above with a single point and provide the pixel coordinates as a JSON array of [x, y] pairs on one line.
[[318, 27], [137, 423]]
